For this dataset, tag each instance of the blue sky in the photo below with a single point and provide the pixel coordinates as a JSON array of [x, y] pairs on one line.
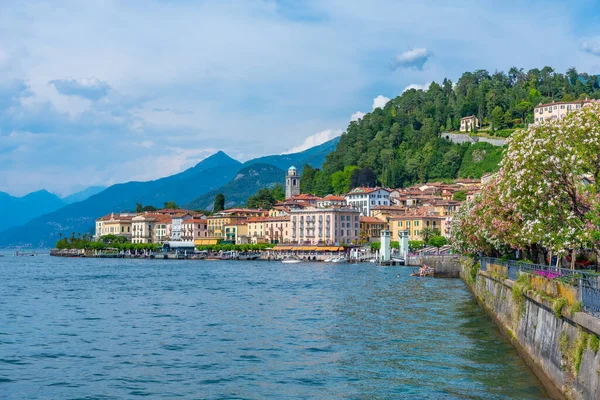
[[98, 92]]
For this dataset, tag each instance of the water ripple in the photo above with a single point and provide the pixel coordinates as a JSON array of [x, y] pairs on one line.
[[112, 329]]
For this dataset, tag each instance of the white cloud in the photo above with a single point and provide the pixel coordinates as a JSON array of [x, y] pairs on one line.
[[591, 46], [415, 58], [416, 86], [380, 101], [357, 115], [315, 140], [173, 82]]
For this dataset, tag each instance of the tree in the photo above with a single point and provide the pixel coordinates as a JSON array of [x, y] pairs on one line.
[[459, 195], [428, 233], [219, 204], [139, 208], [307, 179], [541, 198], [438, 241], [497, 118], [363, 177], [171, 205], [264, 199], [278, 193], [340, 180]]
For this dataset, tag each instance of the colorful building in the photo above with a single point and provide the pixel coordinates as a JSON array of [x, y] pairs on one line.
[[114, 224], [316, 226]]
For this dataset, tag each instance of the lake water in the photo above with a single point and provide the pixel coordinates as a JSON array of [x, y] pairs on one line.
[[104, 329]]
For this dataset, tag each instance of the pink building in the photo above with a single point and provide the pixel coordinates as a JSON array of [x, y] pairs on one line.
[[314, 226], [193, 229]]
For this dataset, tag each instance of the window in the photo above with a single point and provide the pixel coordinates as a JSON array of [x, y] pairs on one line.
[[400, 224], [416, 223], [555, 107], [416, 233], [562, 106]]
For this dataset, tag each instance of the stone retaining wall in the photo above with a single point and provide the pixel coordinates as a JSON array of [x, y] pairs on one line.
[[561, 351]]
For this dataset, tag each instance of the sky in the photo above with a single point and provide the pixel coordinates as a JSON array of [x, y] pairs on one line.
[[99, 92]]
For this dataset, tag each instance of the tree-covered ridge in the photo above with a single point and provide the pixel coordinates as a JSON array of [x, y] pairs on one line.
[[402, 144]]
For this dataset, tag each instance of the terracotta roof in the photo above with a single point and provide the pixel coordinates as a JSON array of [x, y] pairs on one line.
[[305, 196], [371, 220], [256, 219], [194, 221], [468, 117], [163, 218], [423, 212], [334, 198]]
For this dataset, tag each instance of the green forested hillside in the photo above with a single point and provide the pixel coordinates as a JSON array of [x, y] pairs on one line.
[[402, 144]]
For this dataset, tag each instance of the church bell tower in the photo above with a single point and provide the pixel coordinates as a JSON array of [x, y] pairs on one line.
[[292, 183]]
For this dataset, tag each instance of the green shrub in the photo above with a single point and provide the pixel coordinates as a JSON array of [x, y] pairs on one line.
[[563, 343], [593, 343], [519, 289], [473, 271], [558, 306], [580, 344], [575, 308]]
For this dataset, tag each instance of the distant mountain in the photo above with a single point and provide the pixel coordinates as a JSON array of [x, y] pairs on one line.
[[315, 156], [194, 188], [83, 194], [245, 184], [249, 180], [211, 173], [18, 210]]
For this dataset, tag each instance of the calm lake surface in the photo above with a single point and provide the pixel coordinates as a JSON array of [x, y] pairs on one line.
[[104, 329]]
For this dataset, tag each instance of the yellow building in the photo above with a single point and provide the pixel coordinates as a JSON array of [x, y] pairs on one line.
[[446, 208], [237, 232], [256, 230], [415, 221], [216, 224], [370, 229], [114, 224]]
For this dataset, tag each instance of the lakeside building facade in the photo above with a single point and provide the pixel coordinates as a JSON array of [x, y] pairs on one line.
[[415, 221], [359, 217], [316, 226], [194, 229], [114, 224], [370, 229]]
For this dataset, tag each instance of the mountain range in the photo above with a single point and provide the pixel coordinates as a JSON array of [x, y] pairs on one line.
[[195, 187], [18, 210]]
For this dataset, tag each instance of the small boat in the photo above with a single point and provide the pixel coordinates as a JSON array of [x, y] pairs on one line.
[[290, 260], [329, 259]]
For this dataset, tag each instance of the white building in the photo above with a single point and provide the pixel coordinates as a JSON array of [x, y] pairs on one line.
[[142, 228], [176, 225], [292, 183], [556, 110], [363, 199]]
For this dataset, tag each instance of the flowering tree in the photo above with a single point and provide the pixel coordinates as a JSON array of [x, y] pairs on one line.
[[546, 193]]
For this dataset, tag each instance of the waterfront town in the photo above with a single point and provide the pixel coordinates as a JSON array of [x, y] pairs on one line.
[[356, 218]]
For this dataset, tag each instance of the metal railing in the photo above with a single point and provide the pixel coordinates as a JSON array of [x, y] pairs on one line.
[[586, 282]]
